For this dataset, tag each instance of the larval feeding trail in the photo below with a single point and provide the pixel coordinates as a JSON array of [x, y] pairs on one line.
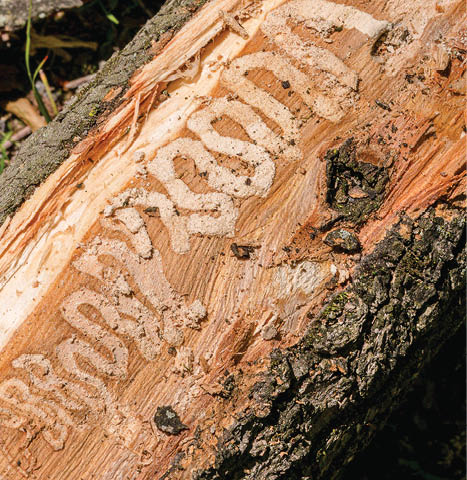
[[135, 303], [148, 276], [67, 351], [118, 364], [33, 412], [162, 167], [200, 122], [222, 178], [331, 105], [70, 395], [324, 17], [85, 392], [236, 79]]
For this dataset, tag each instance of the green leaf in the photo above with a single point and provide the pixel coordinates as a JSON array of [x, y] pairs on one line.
[[110, 16]]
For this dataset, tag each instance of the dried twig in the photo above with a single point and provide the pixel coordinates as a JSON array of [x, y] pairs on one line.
[[16, 137], [72, 84]]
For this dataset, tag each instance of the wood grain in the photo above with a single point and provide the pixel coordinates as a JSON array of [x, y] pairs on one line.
[[120, 289]]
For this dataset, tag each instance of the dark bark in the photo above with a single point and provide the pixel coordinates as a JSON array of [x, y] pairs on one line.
[[324, 398], [42, 153]]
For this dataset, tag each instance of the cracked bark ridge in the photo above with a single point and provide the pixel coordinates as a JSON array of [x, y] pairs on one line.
[[321, 399], [44, 151]]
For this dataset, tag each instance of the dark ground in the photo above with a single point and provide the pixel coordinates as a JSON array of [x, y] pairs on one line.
[[425, 438], [110, 24]]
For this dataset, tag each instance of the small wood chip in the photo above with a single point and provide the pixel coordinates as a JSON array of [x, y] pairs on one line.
[[459, 87], [440, 58], [168, 421], [357, 192], [138, 156], [233, 24], [269, 332]]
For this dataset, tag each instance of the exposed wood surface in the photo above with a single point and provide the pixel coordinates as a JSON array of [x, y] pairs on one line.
[[184, 239]]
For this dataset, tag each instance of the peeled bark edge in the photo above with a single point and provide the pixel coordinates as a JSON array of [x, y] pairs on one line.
[[44, 151]]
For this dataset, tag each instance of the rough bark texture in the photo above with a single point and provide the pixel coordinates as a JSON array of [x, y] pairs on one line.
[[324, 398], [14, 13], [317, 402], [42, 153]]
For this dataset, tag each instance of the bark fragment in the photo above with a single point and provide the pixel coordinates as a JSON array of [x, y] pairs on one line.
[[346, 172], [168, 421], [14, 13]]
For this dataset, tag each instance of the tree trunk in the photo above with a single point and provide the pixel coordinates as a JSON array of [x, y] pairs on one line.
[[246, 243]]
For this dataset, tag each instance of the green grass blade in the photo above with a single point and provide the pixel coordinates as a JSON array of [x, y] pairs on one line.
[[112, 18], [3, 157], [3, 154], [32, 78], [28, 41], [40, 102], [36, 72]]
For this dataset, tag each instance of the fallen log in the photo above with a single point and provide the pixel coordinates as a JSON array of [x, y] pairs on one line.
[[240, 264]]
